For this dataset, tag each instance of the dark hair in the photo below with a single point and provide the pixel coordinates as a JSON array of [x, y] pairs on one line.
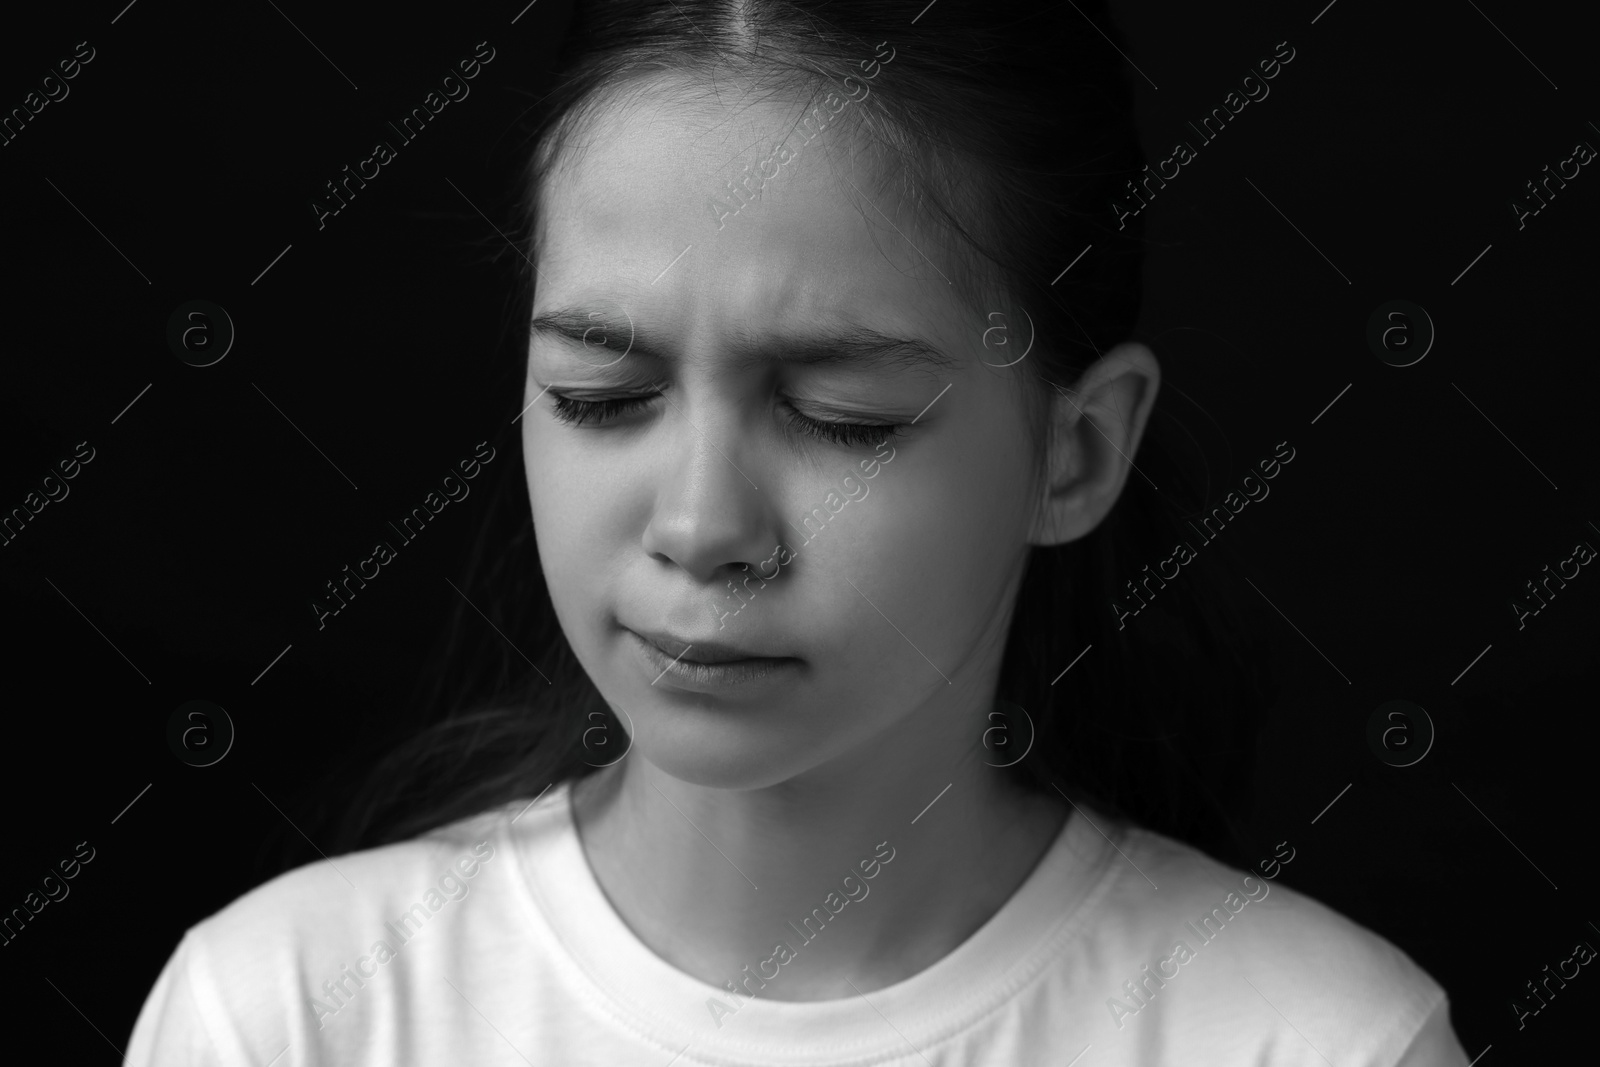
[[1013, 122]]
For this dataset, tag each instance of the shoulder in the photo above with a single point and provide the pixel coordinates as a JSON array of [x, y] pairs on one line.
[[277, 947], [1210, 946], [282, 958], [331, 892], [1209, 901]]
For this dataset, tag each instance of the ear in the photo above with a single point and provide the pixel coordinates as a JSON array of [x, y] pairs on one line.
[[1095, 433]]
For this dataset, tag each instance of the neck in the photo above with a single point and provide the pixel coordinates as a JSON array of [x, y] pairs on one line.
[[714, 880]]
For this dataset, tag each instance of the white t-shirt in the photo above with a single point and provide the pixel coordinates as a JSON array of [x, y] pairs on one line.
[[489, 942]]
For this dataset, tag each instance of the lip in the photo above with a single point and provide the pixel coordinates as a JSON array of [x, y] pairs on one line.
[[681, 672], [707, 652]]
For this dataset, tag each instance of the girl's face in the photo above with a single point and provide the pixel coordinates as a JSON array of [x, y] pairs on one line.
[[900, 562]]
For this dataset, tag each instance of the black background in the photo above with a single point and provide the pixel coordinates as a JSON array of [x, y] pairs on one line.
[[183, 560]]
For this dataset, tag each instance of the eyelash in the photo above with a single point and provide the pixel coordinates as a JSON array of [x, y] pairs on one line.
[[848, 434]]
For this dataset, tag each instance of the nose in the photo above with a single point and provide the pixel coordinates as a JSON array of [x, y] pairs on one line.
[[710, 516]]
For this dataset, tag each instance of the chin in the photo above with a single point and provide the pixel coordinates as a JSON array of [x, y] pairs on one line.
[[717, 756]]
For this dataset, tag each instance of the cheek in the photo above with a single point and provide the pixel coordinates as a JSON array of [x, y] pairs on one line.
[[931, 548], [542, 467], [576, 485], [574, 503]]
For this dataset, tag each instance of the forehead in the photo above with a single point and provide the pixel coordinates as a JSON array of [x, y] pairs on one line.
[[627, 214]]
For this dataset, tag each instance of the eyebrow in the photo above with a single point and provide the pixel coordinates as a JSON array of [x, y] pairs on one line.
[[850, 345]]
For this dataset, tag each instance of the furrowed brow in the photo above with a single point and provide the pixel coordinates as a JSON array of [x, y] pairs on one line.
[[849, 345]]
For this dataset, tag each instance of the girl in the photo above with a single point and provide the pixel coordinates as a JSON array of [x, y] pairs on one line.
[[842, 748]]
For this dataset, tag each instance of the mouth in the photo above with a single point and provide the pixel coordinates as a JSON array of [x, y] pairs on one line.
[[708, 667], [705, 652]]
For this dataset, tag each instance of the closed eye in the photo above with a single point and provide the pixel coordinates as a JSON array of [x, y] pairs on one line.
[[848, 434]]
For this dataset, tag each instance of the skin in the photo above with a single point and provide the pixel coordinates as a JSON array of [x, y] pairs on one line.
[[641, 521]]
